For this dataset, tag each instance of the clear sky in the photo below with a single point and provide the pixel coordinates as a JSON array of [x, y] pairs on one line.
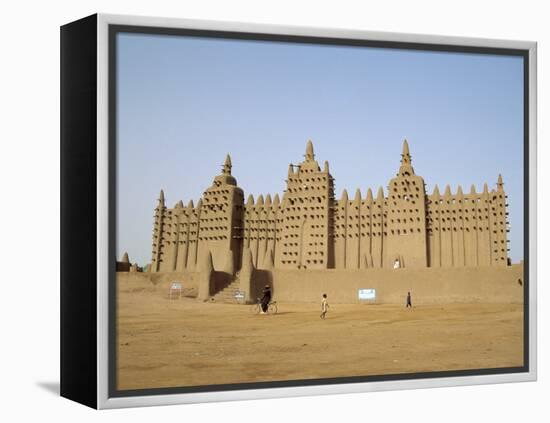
[[185, 102]]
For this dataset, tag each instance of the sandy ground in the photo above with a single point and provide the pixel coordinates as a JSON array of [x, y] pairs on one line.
[[184, 342]]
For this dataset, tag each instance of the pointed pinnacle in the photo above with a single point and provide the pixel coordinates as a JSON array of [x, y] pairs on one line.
[[344, 195], [250, 200], [405, 147], [357, 195], [500, 184], [369, 195], [309, 150]]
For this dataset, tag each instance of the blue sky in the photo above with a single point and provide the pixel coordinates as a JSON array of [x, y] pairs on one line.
[[185, 102]]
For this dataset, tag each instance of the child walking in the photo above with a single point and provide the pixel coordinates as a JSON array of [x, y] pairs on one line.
[[324, 307], [409, 302]]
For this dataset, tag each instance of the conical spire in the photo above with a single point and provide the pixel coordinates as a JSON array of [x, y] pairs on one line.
[[161, 198], [406, 162], [225, 177], [436, 192], [369, 195], [250, 200], [357, 198], [380, 195], [227, 165], [344, 195], [406, 148], [500, 184], [309, 151], [283, 200]]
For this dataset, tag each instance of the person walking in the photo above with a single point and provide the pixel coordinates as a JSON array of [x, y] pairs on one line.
[[409, 301], [324, 306]]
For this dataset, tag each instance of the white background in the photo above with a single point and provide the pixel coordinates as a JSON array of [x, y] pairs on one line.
[[29, 179]]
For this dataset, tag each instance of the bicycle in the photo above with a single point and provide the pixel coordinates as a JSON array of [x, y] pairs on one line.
[[257, 308]]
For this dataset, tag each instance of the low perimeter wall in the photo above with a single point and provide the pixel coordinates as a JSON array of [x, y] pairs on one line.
[[161, 281], [427, 286], [157, 282]]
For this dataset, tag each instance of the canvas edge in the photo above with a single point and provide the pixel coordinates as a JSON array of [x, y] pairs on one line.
[[78, 141], [533, 184], [103, 400]]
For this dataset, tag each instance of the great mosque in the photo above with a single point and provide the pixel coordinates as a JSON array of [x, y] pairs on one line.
[[308, 228]]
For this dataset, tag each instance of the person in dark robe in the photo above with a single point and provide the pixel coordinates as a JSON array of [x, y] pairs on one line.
[[266, 298], [409, 301]]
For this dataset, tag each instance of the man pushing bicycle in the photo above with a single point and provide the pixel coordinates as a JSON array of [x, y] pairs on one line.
[[266, 299]]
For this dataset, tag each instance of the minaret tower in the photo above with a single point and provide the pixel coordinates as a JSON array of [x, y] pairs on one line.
[[160, 212], [406, 221], [304, 231], [221, 219], [499, 222]]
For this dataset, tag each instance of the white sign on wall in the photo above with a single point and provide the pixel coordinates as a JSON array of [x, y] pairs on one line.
[[367, 294]]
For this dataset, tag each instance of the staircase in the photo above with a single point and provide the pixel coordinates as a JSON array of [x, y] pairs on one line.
[[227, 295]]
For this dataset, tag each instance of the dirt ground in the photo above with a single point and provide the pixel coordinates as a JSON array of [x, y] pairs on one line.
[[184, 342]]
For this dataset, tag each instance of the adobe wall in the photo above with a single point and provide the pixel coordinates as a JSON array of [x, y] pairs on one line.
[[161, 281], [489, 284], [158, 282]]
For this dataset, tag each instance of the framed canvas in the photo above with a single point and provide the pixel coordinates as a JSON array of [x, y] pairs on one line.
[[256, 211]]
